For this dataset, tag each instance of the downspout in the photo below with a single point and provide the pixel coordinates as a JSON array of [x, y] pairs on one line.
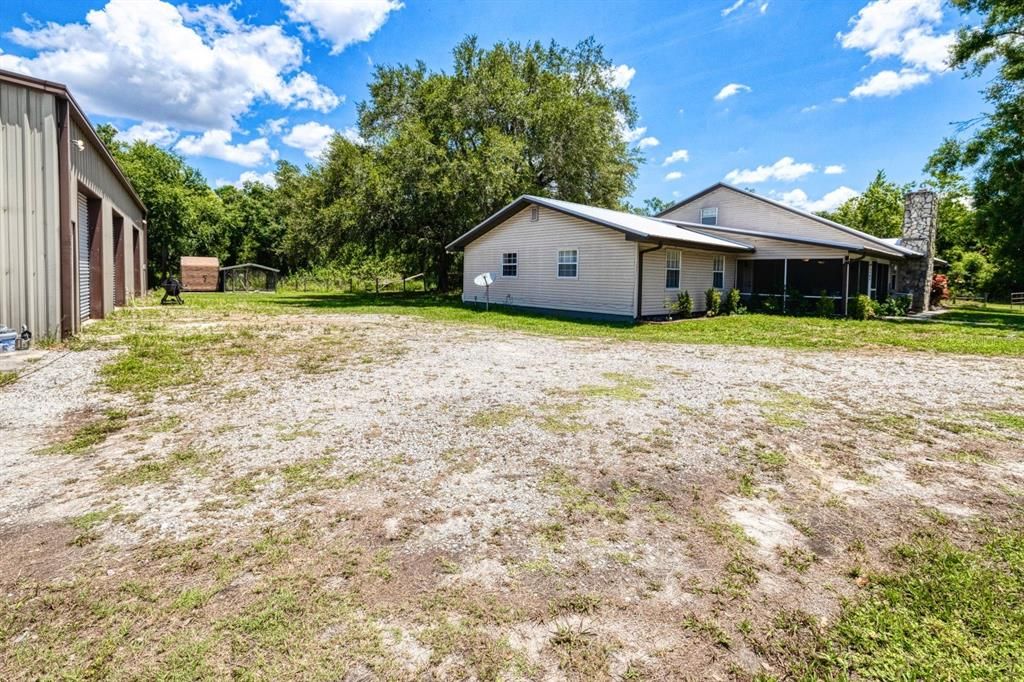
[[640, 278]]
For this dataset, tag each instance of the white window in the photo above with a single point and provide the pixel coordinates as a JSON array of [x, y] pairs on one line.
[[568, 263], [709, 216], [718, 272], [534, 214], [510, 265], [671, 269]]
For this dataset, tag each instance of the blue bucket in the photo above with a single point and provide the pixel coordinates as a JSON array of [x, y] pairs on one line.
[[7, 341]]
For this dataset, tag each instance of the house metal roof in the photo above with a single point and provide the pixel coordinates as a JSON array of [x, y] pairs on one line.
[[779, 236], [817, 218], [635, 227]]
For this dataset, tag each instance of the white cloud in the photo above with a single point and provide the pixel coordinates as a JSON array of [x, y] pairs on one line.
[[906, 30], [216, 144], [341, 23], [272, 126], [784, 170], [267, 179], [832, 200], [676, 156], [763, 8], [808, 109], [312, 138], [352, 135], [888, 83], [629, 135], [674, 175], [733, 7], [620, 76], [835, 169], [194, 69], [648, 142], [839, 100], [153, 133], [730, 90]]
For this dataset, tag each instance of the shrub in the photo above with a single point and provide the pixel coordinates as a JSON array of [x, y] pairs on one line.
[[684, 304], [713, 302], [770, 304], [795, 303], [826, 306], [731, 305], [862, 308], [893, 306], [940, 289]]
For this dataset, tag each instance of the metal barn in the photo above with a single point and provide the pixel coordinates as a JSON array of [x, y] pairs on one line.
[[249, 277], [72, 228]]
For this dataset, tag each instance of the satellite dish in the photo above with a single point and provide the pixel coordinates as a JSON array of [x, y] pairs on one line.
[[485, 280]]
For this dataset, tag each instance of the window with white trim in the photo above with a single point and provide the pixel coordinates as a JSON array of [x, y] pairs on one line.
[[718, 272], [672, 269], [534, 214], [568, 263], [510, 265], [709, 216]]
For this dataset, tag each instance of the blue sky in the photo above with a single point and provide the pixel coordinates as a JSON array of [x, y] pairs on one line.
[[800, 100]]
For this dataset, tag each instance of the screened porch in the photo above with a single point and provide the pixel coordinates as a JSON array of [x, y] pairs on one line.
[[786, 283]]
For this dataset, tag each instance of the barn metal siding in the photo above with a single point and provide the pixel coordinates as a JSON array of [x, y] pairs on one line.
[[91, 171], [29, 210]]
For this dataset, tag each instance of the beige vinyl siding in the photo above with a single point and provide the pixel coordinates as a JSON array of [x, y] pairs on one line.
[[739, 210], [695, 276], [29, 211], [90, 170], [776, 248], [606, 271]]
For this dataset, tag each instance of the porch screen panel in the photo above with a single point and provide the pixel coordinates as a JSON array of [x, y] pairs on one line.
[[811, 276], [745, 276], [880, 279], [769, 276]]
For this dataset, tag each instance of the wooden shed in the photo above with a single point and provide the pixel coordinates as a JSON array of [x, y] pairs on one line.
[[200, 273]]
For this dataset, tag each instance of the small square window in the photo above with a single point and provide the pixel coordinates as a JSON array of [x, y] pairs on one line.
[[671, 269], [709, 216], [718, 272], [568, 264], [534, 214], [510, 265]]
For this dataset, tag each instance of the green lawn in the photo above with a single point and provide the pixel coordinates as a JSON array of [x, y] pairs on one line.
[[974, 334]]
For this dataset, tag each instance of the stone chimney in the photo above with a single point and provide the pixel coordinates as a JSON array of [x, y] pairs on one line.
[[920, 222]]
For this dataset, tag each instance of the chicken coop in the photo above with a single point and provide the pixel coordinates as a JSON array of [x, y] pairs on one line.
[[199, 273], [249, 277]]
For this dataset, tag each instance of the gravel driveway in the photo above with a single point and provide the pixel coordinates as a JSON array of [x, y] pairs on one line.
[[484, 500]]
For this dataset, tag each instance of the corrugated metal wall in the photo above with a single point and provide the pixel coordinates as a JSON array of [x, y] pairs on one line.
[[29, 205], [89, 170]]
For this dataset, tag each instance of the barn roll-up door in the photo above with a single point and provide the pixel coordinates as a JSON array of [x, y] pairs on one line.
[[84, 269]]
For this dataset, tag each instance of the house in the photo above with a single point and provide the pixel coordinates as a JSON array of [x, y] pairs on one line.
[[555, 255], [72, 229]]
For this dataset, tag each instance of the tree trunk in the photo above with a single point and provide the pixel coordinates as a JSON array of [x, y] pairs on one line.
[[441, 263]]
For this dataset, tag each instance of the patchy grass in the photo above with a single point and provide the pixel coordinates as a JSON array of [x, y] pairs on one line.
[[93, 433], [948, 613], [7, 378], [624, 387], [497, 417], [1007, 420], [161, 470], [776, 331], [155, 361], [581, 653]]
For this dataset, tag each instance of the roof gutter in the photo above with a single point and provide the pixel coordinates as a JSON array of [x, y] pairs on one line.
[[640, 277]]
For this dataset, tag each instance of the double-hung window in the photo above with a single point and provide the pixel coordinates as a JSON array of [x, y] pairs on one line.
[[671, 269], [568, 263], [510, 265], [718, 272], [709, 216]]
